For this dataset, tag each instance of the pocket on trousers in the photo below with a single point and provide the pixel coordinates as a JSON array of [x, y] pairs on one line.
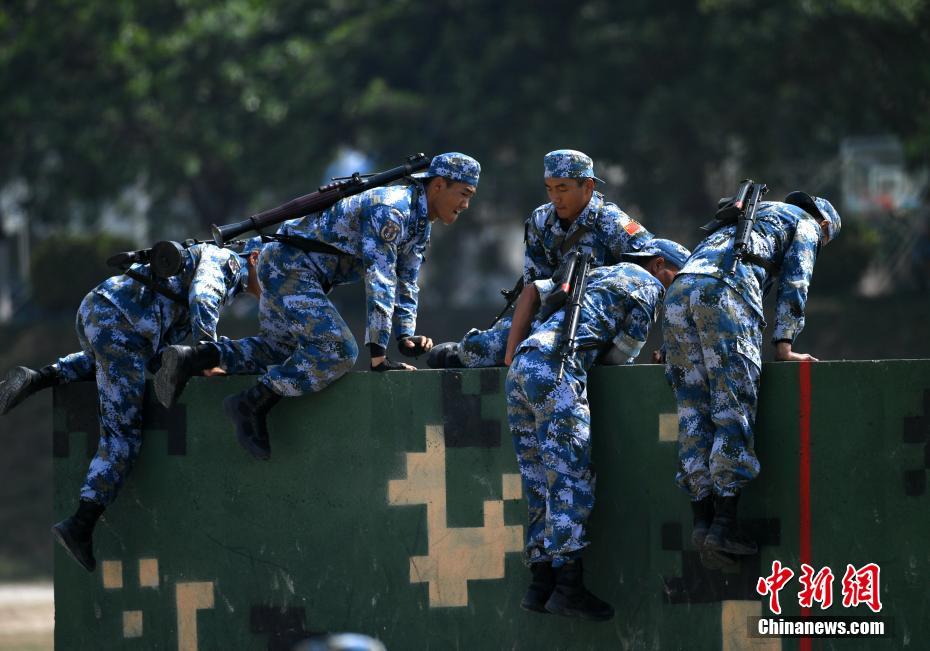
[[746, 348]]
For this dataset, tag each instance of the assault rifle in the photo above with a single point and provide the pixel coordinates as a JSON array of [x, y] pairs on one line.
[[746, 217], [323, 198], [511, 296], [571, 292]]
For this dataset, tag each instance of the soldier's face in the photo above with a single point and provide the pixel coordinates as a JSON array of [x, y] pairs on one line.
[[824, 233], [445, 201], [568, 197]]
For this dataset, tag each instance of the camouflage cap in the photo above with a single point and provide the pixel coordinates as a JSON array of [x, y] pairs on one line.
[[568, 164], [453, 166], [245, 247], [819, 205], [673, 252], [834, 223]]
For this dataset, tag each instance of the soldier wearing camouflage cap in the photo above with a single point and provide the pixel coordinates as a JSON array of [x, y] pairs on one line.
[[577, 216], [550, 419], [713, 337], [123, 325], [377, 237]]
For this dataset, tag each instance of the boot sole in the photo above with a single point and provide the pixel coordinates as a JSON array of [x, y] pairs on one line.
[[714, 560], [14, 382], [714, 545], [166, 380], [565, 611], [229, 407], [63, 541], [534, 609], [578, 614]]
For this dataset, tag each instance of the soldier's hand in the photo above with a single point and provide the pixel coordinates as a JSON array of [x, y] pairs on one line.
[[783, 353], [210, 372], [414, 346], [658, 356], [382, 364]]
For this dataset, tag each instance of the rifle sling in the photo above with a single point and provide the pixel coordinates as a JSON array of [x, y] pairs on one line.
[[569, 242], [304, 244], [152, 284], [716, 224]]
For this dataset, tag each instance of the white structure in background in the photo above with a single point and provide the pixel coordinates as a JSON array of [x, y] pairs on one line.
[[14, 249], [877, 186], [875, 180]]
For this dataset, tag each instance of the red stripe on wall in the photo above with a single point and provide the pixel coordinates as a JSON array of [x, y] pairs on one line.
[[804, 474]]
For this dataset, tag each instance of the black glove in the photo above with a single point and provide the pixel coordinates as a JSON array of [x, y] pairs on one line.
[[416, 350], [374, 350], [387, 365]]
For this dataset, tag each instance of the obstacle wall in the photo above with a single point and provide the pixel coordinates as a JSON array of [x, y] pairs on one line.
[[392, 507]]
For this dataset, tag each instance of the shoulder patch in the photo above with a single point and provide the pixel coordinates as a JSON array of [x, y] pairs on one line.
[[390, 231], [632, 227]]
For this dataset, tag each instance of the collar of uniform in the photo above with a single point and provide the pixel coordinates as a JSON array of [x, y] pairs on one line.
[[418, 200], [588, 216]]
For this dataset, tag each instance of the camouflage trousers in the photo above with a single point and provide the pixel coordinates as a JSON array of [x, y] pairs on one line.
[[551, 427], [303, 344], [712, 339], [117, 353], [483, 348]]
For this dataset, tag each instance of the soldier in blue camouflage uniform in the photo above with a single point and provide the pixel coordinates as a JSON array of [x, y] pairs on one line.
[[550, 420], [378, 237], [577, 216], [713, 335], [122, 325]]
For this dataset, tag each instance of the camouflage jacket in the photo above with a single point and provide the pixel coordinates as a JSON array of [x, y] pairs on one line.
[[611, 233], [786, 237], [618, 308], [210, 278], [384, 233]]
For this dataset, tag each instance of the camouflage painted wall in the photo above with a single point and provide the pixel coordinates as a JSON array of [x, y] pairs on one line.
[[391, 507]]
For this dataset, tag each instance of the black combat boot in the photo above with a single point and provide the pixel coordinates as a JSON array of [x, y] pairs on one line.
[[247, 410], [571, 599], [703, 511], [178, 365], [540, 589], [75, 534], [21, 382], [724, 534], [445, 355]]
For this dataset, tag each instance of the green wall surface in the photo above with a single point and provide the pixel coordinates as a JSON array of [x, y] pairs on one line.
[[392, 506]]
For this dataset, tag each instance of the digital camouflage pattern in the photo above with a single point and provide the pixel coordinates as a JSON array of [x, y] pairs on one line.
[[121, 326], [383, 233], [786, 236], [713, 336], [712, 354], [453, 166], [303, 344], [550, 421], [568, 164], [611, 233]]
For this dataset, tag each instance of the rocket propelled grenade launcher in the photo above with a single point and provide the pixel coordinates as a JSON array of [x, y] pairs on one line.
[[320, 200]]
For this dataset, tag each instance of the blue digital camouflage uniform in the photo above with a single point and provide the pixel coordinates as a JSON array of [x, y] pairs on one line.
[[610, 234], [713, 335], [550, 421], [381, 235], [121, 325]]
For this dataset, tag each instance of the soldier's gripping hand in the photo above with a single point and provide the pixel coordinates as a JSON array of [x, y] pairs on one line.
[[783, 353], [414, 346]]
